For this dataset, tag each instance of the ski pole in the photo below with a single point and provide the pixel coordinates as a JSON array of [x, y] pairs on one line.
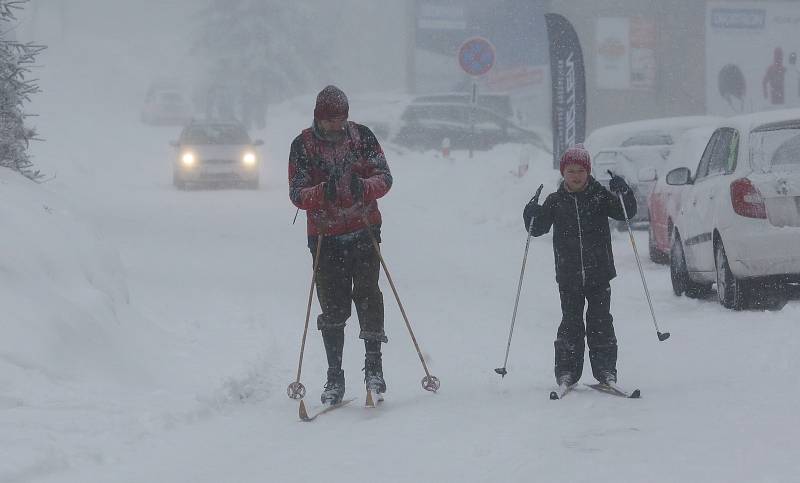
[[429, 382], [502, 370], [296, 390], [662, 336]]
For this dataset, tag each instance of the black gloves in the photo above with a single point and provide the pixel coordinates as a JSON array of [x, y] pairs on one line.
[[533, 210], [357, 188], [330, 187], [617, 185]]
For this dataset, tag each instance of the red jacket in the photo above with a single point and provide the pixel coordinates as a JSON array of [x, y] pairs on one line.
[[311, 161]]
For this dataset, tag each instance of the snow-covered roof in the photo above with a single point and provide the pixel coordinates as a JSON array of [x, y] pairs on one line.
[[615, 134], [748, 122]]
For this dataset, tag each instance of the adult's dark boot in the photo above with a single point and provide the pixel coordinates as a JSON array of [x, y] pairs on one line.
[[373, 373], [334, 388]]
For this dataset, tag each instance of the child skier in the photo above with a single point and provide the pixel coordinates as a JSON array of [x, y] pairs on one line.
[[578, 212]]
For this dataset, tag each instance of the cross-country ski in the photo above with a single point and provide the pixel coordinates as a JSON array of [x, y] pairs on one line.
[[326, 408], [613, 389]]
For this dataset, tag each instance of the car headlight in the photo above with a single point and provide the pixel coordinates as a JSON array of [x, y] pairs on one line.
[[249, 159], [187, 159]]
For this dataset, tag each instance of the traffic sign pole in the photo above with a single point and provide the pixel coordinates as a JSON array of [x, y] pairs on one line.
[[472, 117], [476, 57]]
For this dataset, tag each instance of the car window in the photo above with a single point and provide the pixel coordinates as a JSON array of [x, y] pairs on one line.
[[486, 120], [720, 155], [733, 153], [702, 167], [171, 97], [648, 139], [609, 160], [215, 134], [778, 148]]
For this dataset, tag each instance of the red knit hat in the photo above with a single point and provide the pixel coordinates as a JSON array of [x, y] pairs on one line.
[[576, 155], [331, 104]]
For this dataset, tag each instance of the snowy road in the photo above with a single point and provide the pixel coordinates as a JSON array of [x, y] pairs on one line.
[[225, 274], [208, 295]]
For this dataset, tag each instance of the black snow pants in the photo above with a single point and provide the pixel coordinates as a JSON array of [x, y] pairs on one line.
[[599, 332], [348, 273]]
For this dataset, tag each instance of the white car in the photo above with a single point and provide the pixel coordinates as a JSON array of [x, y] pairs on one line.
[[215, 152], [650, 132], [739, 220], [663, 203], [628, 162]]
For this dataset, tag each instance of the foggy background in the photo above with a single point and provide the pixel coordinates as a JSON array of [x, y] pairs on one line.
[[105, 54]]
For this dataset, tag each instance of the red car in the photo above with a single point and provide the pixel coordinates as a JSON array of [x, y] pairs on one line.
[[664, 200]]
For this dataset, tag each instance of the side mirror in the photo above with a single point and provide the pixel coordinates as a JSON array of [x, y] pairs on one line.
[[679, 177], [647, 175], [258, 142], [174, 144]]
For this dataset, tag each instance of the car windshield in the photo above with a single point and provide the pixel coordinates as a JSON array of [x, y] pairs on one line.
[[648, 139], [215, 134], [776, 149], [171, 97]]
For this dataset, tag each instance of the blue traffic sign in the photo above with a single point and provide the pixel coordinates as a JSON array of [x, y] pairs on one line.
[[476, 56]]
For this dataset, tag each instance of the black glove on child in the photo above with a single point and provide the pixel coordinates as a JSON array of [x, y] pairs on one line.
[[330, 187], [533, 210], [618, 185], [357, 188]]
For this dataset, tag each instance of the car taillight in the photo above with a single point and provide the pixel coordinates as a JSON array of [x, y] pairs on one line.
[[746, 199]]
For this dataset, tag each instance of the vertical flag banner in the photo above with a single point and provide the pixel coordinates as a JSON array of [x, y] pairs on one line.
[[568, 81]]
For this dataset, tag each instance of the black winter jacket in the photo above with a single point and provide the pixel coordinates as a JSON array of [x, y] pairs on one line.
[[581, 237]]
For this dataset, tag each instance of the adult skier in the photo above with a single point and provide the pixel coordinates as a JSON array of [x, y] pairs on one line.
[[578, 212], [337, 171]]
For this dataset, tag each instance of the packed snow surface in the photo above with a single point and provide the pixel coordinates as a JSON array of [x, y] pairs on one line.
[[149, 334]]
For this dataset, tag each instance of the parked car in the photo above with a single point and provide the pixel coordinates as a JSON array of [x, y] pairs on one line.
[[738, 225], [165, 104], [663, 202], [215, 152], [497, 103], [650, 132], [425, 125], [628, 162]]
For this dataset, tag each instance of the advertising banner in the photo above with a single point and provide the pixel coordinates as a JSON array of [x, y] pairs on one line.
[[568, 85], [625, 57], [751, 56]]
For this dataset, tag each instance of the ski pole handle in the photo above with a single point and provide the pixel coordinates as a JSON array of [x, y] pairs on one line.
[[535, 198]]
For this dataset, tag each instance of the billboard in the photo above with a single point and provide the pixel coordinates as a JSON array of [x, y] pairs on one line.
[[751, 56], [516, 28], [625, 53]]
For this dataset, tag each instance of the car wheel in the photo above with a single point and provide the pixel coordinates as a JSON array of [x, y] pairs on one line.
[[731, 291], [679, 274]]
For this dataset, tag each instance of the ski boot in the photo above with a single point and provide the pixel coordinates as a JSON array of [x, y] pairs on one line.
[[609, 378], [334, 388], [373, 375]]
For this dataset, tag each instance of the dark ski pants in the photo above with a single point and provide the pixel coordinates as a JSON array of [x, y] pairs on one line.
[[348, 273], [599, 332]]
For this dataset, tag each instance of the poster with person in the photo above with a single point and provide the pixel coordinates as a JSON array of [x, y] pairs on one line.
[[751, 56]]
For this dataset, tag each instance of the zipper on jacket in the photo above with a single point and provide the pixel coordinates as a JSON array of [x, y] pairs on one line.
[[580, 239]]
